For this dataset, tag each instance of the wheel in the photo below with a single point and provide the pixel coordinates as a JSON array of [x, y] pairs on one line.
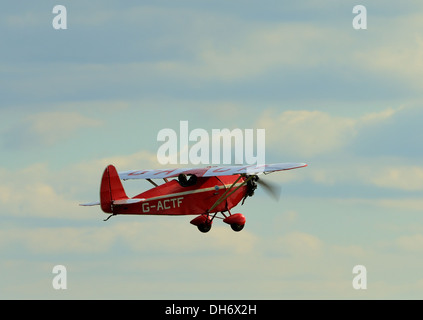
[[204, 227], [237, 227]]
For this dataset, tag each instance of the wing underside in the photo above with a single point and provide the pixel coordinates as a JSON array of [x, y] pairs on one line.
[[209, 171]]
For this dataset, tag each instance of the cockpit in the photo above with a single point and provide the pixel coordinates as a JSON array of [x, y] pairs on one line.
[[186, 182]]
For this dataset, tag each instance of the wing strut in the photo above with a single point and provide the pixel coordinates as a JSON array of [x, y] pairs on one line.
[[228, 192], [152, 182], [219, 201]]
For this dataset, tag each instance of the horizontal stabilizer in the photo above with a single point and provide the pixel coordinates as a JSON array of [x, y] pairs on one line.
[[126, 201], [94, 203]]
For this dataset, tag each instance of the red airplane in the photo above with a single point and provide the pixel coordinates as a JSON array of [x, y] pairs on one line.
[[197, 191]]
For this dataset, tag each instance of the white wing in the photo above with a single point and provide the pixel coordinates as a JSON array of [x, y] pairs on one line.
[[209, 171]]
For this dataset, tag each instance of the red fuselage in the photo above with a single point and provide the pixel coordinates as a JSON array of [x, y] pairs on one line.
[[171, 198]]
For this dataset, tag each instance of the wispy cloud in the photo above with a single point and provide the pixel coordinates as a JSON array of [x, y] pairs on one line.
[[46, 129], [310, 133], [306, 133]]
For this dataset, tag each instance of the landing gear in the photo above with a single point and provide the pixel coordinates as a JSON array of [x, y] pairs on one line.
[[204, 222], [236, 221], [237, 227], [205, 227]]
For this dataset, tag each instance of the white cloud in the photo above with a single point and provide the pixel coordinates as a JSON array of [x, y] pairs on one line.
[[408, 178], [309, 133], [407, 204], [252, 49], [88, 173], [373, 172], [139, 236], [306, 133], [51, 127], [295, 265], [403, 204], [398, 53], [377, 117], [139, 160], [24, 20], [39, 191], [411, 243], [46, 128], [80, 240], [262, 50], [298, 244], [28, 192], [256, 50]]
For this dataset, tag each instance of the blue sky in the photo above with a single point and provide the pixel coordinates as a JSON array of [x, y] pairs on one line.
[[347, 102]]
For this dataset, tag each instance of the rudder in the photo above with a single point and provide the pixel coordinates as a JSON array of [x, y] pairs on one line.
[[111, 189]]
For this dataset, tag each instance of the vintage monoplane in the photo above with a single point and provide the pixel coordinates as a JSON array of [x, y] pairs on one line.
[[197, 191]]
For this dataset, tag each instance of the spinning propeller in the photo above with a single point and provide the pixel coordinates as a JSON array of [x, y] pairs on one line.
[[271, 189]]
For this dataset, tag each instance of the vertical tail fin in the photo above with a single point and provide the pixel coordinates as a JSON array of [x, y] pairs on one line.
[[111, 189]]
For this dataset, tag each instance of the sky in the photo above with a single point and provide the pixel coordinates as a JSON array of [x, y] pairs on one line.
[[348, 102]]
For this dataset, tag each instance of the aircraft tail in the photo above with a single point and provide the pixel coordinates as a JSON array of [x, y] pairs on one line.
[[111, 189]]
